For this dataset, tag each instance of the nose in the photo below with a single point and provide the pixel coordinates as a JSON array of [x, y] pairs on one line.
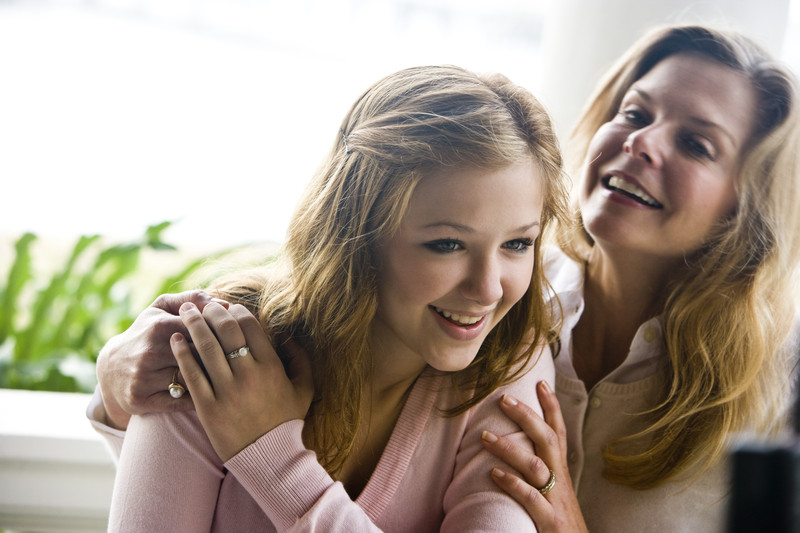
[[484, 281], [645, 144]]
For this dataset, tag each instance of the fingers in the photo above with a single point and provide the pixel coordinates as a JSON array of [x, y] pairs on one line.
[[535, 471], [547, 442], [226, 325], [150, 392], [171, 303], [206, 344], [164, 402], [552, 411], [529, 497], [193, 374], [134, 369], [217, 331], [252, 333]]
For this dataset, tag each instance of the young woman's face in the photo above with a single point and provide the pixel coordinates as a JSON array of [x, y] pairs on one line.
[[662, 172], [463, 256]]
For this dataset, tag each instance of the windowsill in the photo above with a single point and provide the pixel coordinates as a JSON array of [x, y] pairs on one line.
[[55, 472]]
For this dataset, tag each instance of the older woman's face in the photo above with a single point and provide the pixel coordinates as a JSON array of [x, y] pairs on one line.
[[662, 172]]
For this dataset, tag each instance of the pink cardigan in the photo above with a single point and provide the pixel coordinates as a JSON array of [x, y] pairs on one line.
[[432, 476]]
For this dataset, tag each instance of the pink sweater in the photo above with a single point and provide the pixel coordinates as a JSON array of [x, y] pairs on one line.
[[433, 474]]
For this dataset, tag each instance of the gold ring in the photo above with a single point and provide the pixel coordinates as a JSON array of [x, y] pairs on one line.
[[176, 390], [550, 484]]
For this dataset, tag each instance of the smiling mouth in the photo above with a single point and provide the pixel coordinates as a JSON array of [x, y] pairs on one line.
[[460, 320], [629, 190]]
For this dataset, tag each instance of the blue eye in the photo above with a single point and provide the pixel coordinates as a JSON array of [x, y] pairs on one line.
[[444, 246], [518, 245]]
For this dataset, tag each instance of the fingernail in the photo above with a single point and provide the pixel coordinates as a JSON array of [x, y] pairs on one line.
[[187, 306], [496, 472], [509, 400], [177, 337], [223, 303], [488, 436], [546, 387]]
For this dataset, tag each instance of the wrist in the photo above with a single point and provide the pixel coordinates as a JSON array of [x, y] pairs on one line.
[[115, 416]]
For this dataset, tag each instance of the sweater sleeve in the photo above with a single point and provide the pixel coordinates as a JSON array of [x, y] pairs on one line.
[[292, 488], [473, 502], [168, 476]]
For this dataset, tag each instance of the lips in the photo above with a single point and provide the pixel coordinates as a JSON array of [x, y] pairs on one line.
[[630, 190]]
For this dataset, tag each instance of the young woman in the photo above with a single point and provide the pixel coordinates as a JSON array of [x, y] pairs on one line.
[[678, 284], [411, 274]]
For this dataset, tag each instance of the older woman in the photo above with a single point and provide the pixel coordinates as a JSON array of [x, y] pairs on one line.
[[677, 282]]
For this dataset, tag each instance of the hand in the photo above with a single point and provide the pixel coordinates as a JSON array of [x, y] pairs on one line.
[[135, 368], [242, 398], [558, 511]]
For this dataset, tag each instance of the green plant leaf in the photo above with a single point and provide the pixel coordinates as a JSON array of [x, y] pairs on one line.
[[153, 236], [18, 276], [54, 344], [57, 291]]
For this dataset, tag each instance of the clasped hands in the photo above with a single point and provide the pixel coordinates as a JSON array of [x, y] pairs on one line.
[[238, 400]]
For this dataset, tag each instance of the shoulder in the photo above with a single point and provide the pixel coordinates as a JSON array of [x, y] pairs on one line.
[[541, 367]]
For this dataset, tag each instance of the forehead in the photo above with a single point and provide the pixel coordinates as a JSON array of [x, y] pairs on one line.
[[703, 90], [503, 198]]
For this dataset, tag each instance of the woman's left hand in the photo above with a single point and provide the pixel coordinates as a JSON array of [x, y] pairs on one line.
[[558, 510], [243, 397]]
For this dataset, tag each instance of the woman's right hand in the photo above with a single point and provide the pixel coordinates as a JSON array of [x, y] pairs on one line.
[[135, 368], [557, 511]]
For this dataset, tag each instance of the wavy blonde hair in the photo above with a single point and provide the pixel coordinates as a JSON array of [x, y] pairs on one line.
[[403, 128], [728, 317]]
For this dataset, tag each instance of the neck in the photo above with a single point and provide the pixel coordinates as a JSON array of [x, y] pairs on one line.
[[389, 380], [629, 286], [393, 368], [621, 291]]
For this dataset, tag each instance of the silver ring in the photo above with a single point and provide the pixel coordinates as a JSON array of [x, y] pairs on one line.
[[550, 484], [241, 352], [175, 389]]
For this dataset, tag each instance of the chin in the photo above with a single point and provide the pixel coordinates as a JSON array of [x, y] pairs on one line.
[[453, 363]]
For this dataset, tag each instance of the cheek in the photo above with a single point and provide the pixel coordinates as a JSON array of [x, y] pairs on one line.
[[419, 281], [603, 146], [518, 281], [714, 196], [729, 201]]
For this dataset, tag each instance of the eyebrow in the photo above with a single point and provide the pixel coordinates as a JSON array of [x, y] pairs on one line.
[[694, 118], [468, 229]]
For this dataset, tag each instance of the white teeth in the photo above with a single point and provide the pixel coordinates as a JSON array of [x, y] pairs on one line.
[[461, 319], [630, 188]]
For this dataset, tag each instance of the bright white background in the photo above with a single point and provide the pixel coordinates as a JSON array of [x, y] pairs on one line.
[[116, 114]]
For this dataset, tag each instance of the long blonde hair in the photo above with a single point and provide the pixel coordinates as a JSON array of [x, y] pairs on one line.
[[401, 129], [727, 319]]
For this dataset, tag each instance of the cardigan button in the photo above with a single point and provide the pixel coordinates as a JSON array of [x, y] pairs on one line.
[[650, 334], [595, 402]]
